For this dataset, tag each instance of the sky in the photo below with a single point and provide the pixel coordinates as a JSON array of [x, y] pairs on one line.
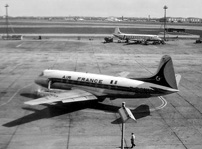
[[103, 8]]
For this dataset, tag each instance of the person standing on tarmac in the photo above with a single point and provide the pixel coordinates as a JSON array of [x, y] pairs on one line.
[[132, 140]]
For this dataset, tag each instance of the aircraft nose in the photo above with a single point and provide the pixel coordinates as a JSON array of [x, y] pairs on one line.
[[41, 81]]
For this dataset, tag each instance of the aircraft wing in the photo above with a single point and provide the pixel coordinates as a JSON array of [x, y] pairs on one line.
[[65, 97]]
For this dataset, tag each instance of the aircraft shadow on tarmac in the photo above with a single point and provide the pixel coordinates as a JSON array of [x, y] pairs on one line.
[[139, 112], [29, 95], [51, 111], [131, 43]]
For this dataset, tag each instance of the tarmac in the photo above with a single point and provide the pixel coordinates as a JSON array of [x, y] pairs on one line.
[[92, 125]]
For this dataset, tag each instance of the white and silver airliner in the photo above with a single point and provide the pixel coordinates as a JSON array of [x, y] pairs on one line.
[[139, 38], [70, 86]]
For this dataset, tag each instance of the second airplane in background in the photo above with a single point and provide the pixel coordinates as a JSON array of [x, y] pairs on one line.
[[138, 38]]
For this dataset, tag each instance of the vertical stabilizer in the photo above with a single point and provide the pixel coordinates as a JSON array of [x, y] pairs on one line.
[[165, 74], [117, 31]]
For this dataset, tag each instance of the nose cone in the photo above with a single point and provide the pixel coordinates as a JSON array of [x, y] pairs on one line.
[[41, 81]]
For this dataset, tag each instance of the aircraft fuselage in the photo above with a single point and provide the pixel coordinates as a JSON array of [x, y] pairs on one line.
[[101, 85], [138, 37]]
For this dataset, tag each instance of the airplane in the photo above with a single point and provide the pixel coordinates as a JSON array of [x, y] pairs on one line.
[[138, 38], [113, 19], [70, 86]]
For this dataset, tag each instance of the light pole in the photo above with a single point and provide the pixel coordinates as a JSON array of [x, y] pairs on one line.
[[125, 114], [123, 128], [165, 7], [6, 20]]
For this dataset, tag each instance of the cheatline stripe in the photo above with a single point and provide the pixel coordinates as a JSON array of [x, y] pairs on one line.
[[114, 87]]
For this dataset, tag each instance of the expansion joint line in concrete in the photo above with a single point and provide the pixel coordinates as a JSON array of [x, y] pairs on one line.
[[188, 88], [180, 140], [69, 131], [96, 59], [13, 70], [162, 116], [76, 63], [186, 119], [137, 62], [12, 137], [7, 146], [171, 129], [98, 67], [143, 67], [55, 62], [75, 68], [57, 57], [15, 94], [189, 101]]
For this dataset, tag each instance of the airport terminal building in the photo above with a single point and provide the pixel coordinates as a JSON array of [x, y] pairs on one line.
[[182, 20]]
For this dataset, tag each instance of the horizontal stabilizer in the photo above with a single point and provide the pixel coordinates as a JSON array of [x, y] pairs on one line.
[[178, 78]]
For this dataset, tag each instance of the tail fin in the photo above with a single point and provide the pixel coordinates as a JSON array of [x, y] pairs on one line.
[[165, 74], [117, 31]]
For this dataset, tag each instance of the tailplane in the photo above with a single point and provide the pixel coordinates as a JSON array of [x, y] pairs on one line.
[[117, 31], [178, 78], [165, 74]]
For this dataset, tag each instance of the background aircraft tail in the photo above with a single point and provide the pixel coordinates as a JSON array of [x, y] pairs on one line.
[[165, 74], [117, 31]]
